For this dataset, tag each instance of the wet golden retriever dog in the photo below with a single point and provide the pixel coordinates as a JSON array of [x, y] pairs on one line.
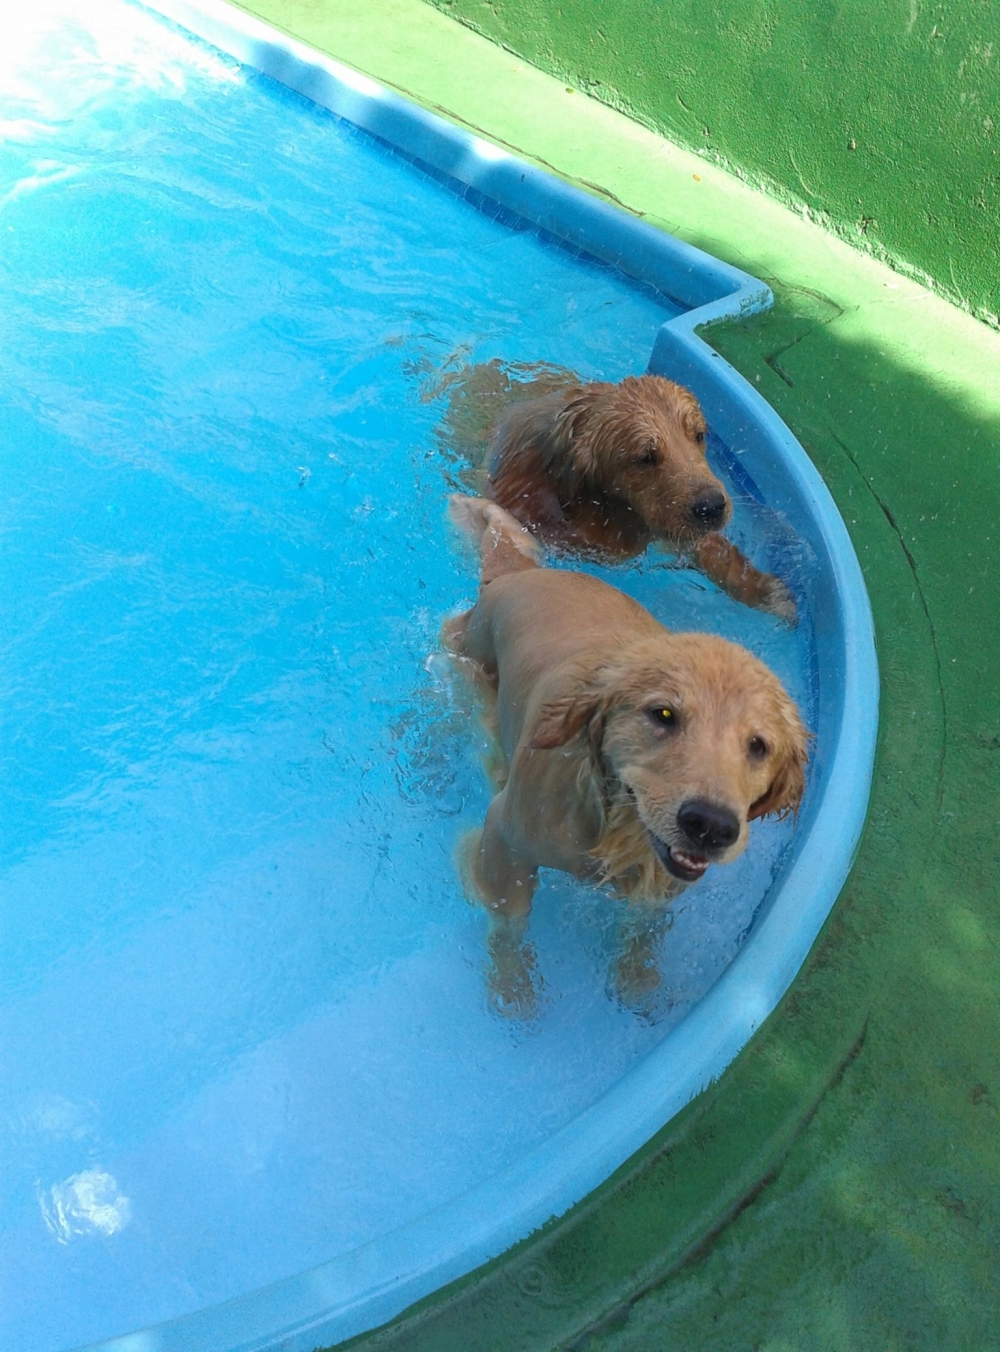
[[605, 468], [632, 756]]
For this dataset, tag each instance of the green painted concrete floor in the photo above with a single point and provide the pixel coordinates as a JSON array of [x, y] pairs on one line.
[[838, 1187]]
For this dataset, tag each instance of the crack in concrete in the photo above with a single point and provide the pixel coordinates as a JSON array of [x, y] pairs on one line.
[[621, 1312], [939, 670], [772, 358]]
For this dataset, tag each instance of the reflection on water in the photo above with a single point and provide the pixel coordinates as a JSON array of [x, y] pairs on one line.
[[244, 1020], [85, 1203]]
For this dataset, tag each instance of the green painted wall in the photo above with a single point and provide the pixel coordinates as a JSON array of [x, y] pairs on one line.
[[880, 117]]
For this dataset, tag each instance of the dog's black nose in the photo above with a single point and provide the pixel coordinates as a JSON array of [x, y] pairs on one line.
[[710, 509], [707, 825]]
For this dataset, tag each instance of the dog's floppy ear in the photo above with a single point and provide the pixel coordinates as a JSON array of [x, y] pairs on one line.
[[574, 433], [561, 719], [786, 788]]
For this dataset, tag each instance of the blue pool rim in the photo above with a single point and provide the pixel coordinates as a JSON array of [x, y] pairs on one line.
[[370, 1285]]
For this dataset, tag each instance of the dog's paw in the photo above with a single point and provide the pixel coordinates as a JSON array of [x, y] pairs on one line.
[[634, 982], [511, 981], [776, 598]]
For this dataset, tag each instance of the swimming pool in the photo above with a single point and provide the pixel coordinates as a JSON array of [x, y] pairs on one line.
[[244, 1023]]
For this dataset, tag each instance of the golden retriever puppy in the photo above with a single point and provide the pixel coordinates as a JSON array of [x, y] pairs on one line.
[[605, 468], [609, 468], [634, 756]]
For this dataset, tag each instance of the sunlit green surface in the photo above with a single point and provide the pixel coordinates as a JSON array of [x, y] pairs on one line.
[[880, 120]]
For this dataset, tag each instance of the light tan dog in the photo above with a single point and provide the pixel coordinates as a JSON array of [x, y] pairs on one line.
[[633, 756], [606, 468]]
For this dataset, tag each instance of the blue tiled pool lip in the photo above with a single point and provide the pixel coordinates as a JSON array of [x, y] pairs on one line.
[[366, 1287]]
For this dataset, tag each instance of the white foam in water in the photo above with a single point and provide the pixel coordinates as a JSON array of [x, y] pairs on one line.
[[85, 1203], [244, 1018]]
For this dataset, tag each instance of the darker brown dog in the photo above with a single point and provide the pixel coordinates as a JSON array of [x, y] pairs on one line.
[[634, 756], [606, 468], [611, 467]]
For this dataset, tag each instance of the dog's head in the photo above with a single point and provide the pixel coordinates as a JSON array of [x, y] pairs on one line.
[[700, 734], [643, 440]]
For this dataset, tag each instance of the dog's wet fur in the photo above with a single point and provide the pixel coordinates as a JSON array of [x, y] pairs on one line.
[[634, 756], [601, 468]]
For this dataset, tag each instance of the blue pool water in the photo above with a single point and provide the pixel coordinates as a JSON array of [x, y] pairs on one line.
[[243, 1024]]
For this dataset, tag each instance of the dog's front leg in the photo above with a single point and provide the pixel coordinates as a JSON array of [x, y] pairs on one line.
[[721, 562], [634, 975], [505, 883], [511, 977]]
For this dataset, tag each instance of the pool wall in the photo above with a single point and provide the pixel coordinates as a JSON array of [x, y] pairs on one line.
[[371, 1285]]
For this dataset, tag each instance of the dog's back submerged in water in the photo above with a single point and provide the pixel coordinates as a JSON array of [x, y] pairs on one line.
[[605, 468], [634, 756]]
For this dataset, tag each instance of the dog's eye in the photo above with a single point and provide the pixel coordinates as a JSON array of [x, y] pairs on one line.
[[757, 748], [700, 438], [662, 716], [647, 458]]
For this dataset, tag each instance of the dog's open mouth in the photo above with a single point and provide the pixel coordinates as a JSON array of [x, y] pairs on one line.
[[682, 864]]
